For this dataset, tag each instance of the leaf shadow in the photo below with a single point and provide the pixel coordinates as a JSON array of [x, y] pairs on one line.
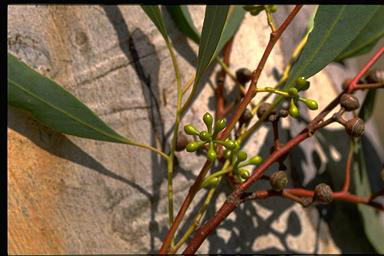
[[179, 41], [60, 146]]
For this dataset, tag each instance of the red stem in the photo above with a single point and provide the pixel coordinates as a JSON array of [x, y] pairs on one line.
[[348, 171], [374, 58], [300, 192], [187, 201], [275, 128], [220, 109], [257, 72]]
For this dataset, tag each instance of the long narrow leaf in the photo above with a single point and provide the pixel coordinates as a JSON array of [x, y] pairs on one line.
[[214, 20], [233, 22], [154, 14], [183, 21], [372, 226], [367, 38], [374, 230], [335, 27], [50, 104]]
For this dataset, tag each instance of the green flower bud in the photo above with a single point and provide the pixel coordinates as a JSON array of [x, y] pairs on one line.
[[211, 155], [220, 125], [208, 120], [311, 104], [292, 92], [256, 160], [302, 84], [243, 173], [254, 9], [272, 8], [293, 110], [227, 154], [190, 130], [241, 156], [205, 136], [229, 144], [211, 183], [193, 146]]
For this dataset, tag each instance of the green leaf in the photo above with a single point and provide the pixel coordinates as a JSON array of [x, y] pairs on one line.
[[154, 14], [214, 20], [367, 38], [335, 27], [50, 104], [235, 17], [372, 225], [367, 106], [183, 21]]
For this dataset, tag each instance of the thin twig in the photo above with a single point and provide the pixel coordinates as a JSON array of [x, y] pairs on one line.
[[348, 169], [374, 58], [369, 86]]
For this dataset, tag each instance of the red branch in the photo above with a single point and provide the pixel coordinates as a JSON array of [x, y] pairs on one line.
[[348, 170], [235, 197], [299, 192], [374, 58], [220, 109], [257, 72]]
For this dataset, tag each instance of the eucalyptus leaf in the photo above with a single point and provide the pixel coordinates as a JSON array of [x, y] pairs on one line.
[[235, 17], [335, 27], [367, 38], [214, 21], [50, 104], [153, 12], [374, 229], [183, 21]]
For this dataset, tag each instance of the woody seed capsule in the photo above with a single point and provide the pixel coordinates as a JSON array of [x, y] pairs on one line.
[[246, 117], [243, 75], [323, 193], [349, 102], [355, 127], [262, 109], [279, 180]]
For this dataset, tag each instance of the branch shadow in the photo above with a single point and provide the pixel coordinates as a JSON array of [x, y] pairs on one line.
[[344, 220]]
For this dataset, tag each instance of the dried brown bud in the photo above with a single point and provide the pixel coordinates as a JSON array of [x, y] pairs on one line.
[[283, 113], [243, 75], [323, 193], [279, 180], [181, 142], [246, 116], [355, 127], [349, 102], [263, 109]]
